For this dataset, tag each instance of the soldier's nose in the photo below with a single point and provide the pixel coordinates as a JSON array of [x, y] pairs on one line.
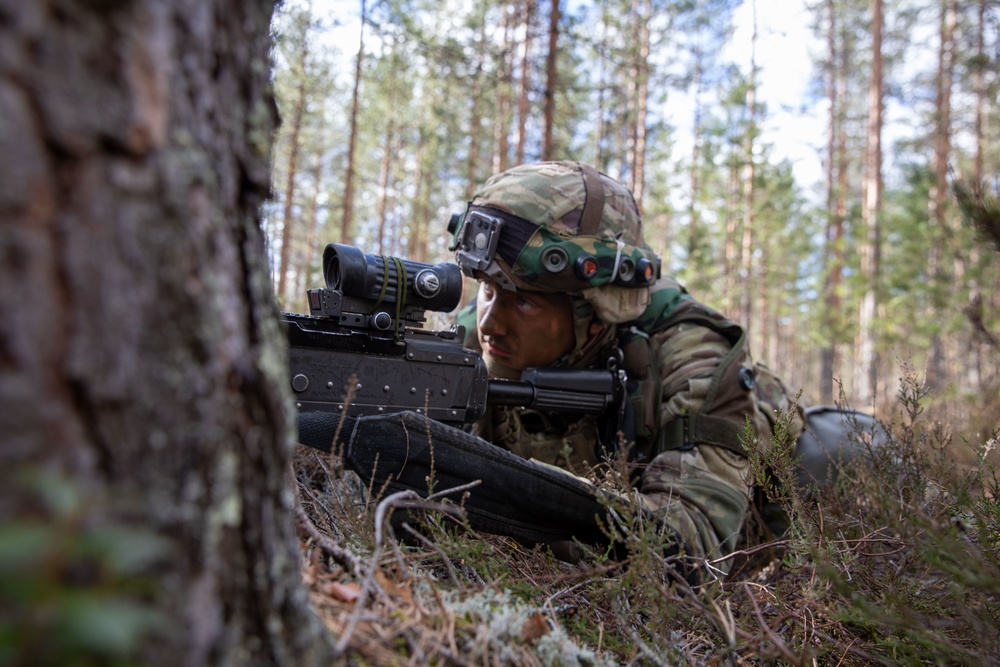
[[491, 321]]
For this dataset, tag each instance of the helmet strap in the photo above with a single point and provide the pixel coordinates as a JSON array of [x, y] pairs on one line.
[[590, 347], [593, 205]]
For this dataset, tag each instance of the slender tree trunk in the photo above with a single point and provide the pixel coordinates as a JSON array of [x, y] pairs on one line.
[[975, 286], [384, 177], [979, 85], [638, 169], [730, 253], [298, 108], [549, 113], [866, 366], [694, 186], [840, 220], [631, 104], [476, 119], [143, 372], [838, 200], [347, 222], [417, 248], [501, 125], [831, 298], [936, 365], [524, 97], [304, 257], [749, 175], [602, 86]]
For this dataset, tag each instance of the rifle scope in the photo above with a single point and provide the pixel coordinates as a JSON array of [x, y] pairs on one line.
[[387, 280]]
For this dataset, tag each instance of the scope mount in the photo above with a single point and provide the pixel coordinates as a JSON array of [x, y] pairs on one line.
[[359, 313]]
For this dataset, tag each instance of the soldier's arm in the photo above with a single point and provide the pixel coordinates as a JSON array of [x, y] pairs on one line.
[[701, 489]]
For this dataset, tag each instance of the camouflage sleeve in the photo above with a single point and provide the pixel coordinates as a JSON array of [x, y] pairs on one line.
[[703, 492]]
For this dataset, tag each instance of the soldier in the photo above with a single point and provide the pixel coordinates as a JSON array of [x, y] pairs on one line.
[[566, 279]]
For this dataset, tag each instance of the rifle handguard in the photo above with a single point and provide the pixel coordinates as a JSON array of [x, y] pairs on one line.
[[516, 497]]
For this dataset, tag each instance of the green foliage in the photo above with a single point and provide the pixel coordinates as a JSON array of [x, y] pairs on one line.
[[72, 592], [447, 80]]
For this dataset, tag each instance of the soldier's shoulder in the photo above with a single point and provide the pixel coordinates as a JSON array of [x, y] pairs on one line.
[[671, 304]]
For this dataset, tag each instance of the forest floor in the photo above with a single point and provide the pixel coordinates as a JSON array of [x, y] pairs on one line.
[[897, 563]]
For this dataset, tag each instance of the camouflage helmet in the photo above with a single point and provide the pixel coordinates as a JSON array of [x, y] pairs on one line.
[[559, 227]]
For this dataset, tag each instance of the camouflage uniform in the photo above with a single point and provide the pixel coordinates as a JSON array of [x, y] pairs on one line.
[[690, 376]]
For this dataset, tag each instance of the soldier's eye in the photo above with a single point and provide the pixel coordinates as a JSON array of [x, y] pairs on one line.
[[525, 304]]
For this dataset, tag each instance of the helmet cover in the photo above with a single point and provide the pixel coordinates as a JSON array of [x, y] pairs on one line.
[[560, 227]]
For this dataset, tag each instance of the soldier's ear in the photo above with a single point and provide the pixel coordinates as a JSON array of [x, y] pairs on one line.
[[596, 327]]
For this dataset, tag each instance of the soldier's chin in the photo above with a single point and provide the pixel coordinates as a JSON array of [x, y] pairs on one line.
[[499, 370]]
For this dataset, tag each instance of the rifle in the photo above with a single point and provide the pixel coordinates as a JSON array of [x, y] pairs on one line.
[[363, 369], [362, 350]]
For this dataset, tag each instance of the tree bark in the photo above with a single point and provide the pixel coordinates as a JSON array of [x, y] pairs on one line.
[[549, 113], [384, 178], [694, 182], [476, 114], [524, 85], [866, 368], [140, 352], [836, 184], [298, 108], [347, 220], [936, 365], [501, 123], [638, 171], [749, 175]]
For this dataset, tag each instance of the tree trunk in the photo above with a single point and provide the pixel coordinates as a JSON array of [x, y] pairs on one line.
[[304, 263], [347, 221], [746, 309], [143, 372], [476, 119], [976, 377], [417, 245], [866, 367], [549, 113], [524, 96], [694, 184], [836, 184], [642, 102], [293, 159], [501, 124], [384, 177], [730, 252], [936, 365], [600, 114]]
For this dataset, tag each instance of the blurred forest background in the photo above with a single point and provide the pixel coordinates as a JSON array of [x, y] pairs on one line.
[[393, 110]]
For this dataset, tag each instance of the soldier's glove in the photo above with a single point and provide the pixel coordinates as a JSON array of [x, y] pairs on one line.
[[516, 497]]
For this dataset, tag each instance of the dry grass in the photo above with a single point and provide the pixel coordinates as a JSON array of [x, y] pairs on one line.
[[898, 564]]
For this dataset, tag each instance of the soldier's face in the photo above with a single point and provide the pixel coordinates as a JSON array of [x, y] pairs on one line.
[[519, 330]]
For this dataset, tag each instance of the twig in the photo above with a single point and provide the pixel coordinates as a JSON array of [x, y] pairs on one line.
[[778, 642], [452, 574], [751, 551], [463, 487], [864, 655], [320, 507], [339, 554], [548, 600], [391, 502], [646, 650], [336, 452], [369, 580]]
